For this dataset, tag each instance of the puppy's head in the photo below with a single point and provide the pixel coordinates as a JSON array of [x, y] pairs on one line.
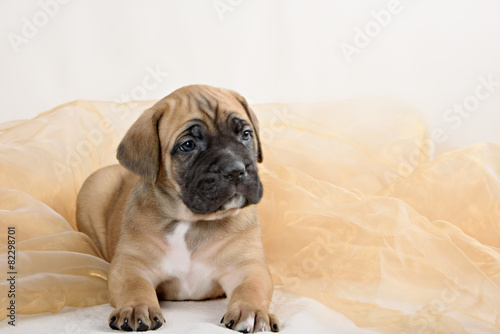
[[201, 142]]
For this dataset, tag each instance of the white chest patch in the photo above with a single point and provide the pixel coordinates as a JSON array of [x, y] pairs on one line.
[[195, 278]]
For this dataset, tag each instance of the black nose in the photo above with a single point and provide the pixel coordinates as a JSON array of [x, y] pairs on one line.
[[233, 171]]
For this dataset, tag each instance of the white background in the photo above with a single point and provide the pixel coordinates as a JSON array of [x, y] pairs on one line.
[[431, 54]]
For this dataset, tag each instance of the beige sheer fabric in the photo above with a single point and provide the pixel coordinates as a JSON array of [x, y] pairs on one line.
[[355, 213]]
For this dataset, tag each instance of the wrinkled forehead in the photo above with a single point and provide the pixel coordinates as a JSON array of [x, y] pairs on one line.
[[210, 107]]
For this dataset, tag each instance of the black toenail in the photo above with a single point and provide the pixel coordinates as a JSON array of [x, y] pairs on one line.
[[276, 328], [230, 324], [157, 323], [126, 327], [142, 326], [112, 324]]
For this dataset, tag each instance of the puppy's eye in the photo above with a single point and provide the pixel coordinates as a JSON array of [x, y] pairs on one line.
[[187, 146], [247, 134]]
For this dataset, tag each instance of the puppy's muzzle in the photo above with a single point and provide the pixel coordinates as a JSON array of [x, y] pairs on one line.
[[230, 181]]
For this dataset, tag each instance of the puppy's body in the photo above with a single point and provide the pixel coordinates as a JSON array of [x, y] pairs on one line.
[[110, 187], [187, 260], [179, 223]]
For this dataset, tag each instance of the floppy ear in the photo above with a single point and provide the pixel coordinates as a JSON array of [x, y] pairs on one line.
[[139, 150], [253, 120]]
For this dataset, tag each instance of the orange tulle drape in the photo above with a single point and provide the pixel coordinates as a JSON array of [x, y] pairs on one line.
[[356, 213]]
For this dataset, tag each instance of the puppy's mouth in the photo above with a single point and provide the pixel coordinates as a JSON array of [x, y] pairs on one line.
[[234, 200], [228, 209], [238, 201], [227, 198]]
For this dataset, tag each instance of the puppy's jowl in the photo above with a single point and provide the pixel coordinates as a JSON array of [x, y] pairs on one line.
[[177, 218]]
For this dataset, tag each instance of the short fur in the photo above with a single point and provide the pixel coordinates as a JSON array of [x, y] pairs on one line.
[[178, 222]]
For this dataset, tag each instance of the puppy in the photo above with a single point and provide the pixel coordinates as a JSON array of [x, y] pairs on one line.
[[177, 218]]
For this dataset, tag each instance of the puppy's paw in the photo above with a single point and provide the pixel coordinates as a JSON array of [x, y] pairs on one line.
[[136, 317], [246, 318]]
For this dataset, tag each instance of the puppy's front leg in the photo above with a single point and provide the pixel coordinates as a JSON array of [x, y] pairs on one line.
[[248, 309], [134, 298]]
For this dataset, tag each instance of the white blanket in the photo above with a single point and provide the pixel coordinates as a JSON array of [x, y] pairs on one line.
[[298, 315]]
